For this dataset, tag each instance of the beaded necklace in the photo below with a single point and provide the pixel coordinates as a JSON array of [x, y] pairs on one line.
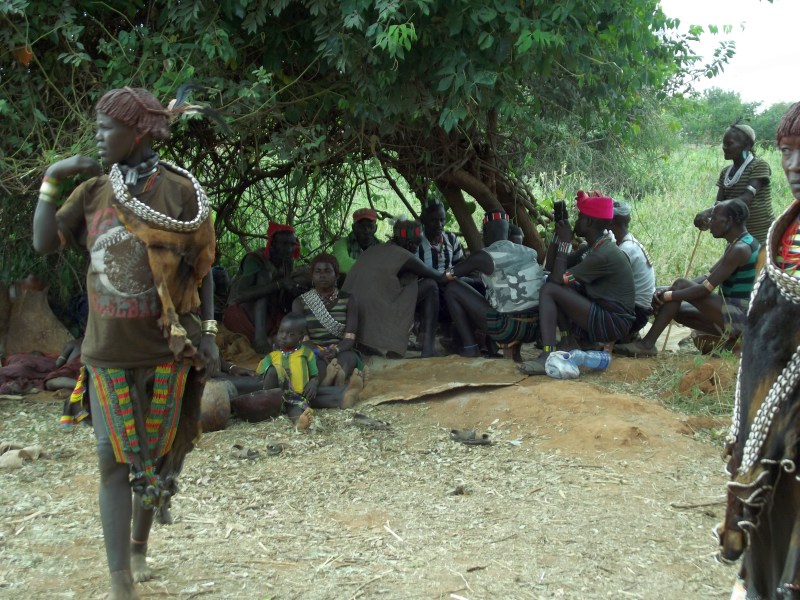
[[329, 299], [728, 180], [148, 214]]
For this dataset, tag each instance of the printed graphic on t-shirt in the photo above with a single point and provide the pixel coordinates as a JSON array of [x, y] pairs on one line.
[[121, 282]]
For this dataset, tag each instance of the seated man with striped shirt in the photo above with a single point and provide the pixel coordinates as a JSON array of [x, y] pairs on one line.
[[693, 303], [439, 249]]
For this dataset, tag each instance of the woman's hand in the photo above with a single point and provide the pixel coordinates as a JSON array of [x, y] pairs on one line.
[[658, 298], [209, 354], [702, 219], [74, 165]]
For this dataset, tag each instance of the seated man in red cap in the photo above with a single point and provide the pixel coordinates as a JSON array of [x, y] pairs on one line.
[[362, 236], [595, 298], [264, 289], [512, 277]]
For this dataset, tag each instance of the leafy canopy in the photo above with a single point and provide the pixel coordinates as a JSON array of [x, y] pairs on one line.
[[324, 97]]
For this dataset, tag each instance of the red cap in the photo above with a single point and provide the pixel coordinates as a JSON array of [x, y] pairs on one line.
[[365, 213], [275, 228], [597, 207]]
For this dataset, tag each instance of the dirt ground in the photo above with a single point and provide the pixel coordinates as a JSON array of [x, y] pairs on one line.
[[586, 493]]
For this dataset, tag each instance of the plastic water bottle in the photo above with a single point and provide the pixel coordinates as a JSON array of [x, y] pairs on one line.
[[591, 359]]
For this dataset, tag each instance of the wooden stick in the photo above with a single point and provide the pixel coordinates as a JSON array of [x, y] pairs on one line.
[[700, 505], [685, 275]]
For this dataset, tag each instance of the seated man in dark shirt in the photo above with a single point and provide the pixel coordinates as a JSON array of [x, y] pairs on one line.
[[595, 298], [264, 288]]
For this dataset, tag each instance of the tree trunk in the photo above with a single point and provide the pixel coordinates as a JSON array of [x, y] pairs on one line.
[[515, 206], [461, 212]]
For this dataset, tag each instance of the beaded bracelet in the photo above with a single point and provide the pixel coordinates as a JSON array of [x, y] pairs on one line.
[[565, 247], [50, 190]]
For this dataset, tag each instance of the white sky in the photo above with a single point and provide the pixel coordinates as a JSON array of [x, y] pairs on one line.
[[766, 67]]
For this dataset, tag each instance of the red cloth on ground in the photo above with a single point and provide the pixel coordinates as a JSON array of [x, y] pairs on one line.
[[24, 372]]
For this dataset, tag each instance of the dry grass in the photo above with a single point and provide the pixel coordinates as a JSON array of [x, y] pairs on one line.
[[549, 511]]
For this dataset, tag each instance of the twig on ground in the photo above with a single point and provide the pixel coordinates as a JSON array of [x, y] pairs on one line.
[[389, 529], [698, 505], [357, 593], [464, 579]]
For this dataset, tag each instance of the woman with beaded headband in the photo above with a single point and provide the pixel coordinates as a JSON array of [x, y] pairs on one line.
[[762, 520], [746, 178], [150, 335]]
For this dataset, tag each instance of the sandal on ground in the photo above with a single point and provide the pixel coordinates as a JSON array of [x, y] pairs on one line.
[[470, 437], [362, 420], [243, 452], [533, 367], [635, 349], [275, 449]]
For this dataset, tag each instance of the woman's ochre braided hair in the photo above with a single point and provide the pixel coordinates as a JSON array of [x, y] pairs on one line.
[[790, 123], [138, 109]]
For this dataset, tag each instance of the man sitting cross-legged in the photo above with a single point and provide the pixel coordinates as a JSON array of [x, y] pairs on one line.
[[513, 279], [595, 298]]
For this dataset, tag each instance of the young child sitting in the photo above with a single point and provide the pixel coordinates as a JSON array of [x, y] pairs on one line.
[[293, 368]]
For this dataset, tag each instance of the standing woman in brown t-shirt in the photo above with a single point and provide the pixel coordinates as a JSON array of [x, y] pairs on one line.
[[150, 238]]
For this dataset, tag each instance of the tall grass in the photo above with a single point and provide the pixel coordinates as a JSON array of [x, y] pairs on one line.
[[663, 221]]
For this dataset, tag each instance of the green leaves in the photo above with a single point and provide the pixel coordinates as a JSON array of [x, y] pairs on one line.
[[396, 38], [314, 87]]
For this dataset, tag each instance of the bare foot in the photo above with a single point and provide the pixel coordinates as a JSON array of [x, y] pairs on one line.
[[340, 376], [122, 586], [353, 390], [305, 420], [330, 373], [139, 569]]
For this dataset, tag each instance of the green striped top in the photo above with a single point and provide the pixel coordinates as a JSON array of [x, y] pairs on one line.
[[761, 215], [741, 281], [316, 331]]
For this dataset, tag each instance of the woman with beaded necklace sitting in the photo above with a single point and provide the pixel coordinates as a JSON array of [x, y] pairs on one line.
[[149, 234], [332, 319], [746, 178], [692, 302]]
